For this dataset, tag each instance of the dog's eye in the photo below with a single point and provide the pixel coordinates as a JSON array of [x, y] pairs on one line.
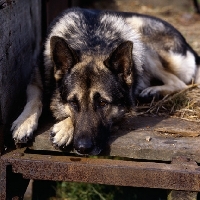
[[102, 103], [73, 103]]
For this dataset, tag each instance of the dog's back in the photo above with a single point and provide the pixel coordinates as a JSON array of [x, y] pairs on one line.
[[159, 50]]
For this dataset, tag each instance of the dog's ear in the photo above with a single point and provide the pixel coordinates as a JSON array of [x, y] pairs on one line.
[[120, 61], [63, 56]]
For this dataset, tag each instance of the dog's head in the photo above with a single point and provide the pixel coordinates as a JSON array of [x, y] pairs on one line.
[[93, 90]]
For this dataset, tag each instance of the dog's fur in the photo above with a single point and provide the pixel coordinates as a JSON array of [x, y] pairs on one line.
[[96, 63]]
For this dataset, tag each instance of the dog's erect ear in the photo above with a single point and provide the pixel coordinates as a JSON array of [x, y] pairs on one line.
[[120, 61], [63, 56]]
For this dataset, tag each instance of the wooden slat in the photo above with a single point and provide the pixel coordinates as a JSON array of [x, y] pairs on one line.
[[138, 138]]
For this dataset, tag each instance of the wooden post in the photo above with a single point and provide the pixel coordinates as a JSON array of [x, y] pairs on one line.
[[20, 37], [53, 8]]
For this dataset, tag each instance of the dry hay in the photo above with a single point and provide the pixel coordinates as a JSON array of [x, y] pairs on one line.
[[184, 104]]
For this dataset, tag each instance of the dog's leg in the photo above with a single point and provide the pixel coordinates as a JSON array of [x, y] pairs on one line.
[[165, 89], [171, 84], [27, 122], [178, 71], [62, 133]]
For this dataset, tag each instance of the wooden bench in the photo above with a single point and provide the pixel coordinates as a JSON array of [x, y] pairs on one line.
[[153, 152]]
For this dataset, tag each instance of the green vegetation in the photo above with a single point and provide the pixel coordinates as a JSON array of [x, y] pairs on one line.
[[84, 191]]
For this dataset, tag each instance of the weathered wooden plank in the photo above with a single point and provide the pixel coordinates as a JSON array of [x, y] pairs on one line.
[[160, 146], [138, 138], [20, 37]]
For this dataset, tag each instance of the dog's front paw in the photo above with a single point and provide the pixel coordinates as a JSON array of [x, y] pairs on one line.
[[23, 128], [62, 133]]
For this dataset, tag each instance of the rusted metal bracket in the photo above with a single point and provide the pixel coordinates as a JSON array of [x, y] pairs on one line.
[[183, 195], [12, 185], [175, 176]]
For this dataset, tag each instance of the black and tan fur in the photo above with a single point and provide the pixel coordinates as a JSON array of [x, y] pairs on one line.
[[96, 63]]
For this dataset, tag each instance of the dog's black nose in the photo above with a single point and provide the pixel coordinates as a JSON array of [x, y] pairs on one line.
[[84, 146]]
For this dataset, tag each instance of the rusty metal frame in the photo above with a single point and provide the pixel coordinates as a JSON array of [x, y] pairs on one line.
[[183, 176]]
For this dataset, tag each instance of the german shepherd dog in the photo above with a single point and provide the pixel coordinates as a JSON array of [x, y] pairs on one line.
[[96, 63]]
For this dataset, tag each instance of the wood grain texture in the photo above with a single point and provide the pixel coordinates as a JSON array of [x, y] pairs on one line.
[[20, 37], [138, 138]]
